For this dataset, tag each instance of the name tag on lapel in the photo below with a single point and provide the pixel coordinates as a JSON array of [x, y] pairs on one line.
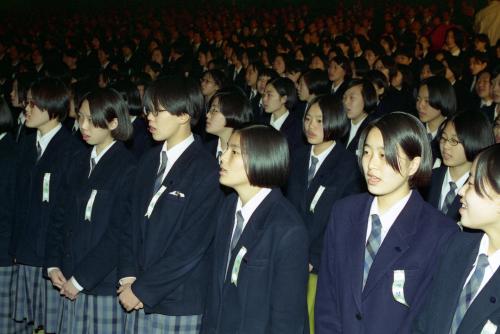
[[46, 188], [398, 287], [236, 265], [489, 328], [155, 198], [90, 204], [316, 198]]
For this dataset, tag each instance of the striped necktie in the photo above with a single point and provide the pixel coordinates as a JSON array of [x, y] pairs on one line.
[[450, 197], [372, 245], [312, 169], [161, 170]]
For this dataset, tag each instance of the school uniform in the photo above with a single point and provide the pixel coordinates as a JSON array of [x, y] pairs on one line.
[[7, 267], [290, 126], [84, 242], [351, 140], [437, 193], [38, 186], [340, 89], [260, 285], [433, 138], [356, 296], [457, 266], [141, 139], [167, 243]]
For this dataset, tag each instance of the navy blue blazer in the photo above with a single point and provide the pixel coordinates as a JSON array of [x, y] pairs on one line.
[[353, 145], [141, 140], [89, 250], [7, 195], [338, 174], [455, 266], [169, 252], [433, 193], [413, 244], [270, 295], [32, 213], [291, 129]]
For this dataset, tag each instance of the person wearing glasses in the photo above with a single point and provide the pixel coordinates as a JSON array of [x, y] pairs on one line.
[[165, 261], [462, 137]]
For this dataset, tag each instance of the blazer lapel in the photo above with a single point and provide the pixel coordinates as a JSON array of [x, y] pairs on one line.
[[225, 240], [434, 196], [325, 171]]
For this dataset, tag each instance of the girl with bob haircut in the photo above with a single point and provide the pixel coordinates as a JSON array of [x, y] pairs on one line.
[[260, 249], [320, 174], [278, 100], [376, 269], [312, 84], [44, 158], [83, 246], [463, 296], [339, 72], [359, 101], [462, 137], [436, 101], [229, 110]]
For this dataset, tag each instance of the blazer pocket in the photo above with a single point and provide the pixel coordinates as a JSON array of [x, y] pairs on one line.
[[255, 263]]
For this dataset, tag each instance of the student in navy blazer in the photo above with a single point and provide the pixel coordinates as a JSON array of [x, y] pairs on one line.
[[83, 245], [260, 250], [44, 158], [463, 270], [278, 100], [380, 248], [339, 73], [463, 136], [164, 264], [313, 186]]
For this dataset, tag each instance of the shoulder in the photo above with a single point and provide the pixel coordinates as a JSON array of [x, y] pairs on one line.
[[433, 221], [347, 204]]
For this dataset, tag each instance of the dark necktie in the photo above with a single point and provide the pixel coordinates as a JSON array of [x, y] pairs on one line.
[[312, 169], [238, 230], [450, 197], [159, 175], [92, 165], [38, 151], [372, 245]]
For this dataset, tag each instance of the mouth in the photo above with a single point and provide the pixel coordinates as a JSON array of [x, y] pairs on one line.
[[222, 171], [85, 137], [310, 135], [152, 129], [372, 179]]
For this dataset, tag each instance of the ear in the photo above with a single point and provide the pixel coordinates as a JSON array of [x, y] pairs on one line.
[[113, 124], [414, 165], [183, 118], [283, 99]]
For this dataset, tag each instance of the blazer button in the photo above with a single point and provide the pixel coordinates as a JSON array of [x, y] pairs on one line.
[[493, 300], [358, 316], [398, 249]]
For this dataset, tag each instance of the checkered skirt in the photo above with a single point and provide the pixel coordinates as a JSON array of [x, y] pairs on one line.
[[90, 314], [7, 324], [139, 322]]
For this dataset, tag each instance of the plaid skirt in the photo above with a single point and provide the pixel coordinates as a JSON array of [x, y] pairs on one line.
[[139, 322], [36, 300], [7, 324], [91, 315]]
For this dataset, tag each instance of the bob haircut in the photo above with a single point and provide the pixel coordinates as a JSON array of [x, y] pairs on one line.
[[51, 95], [317, 82], [130, 94], [378, 79], [265, 155], [178, 95], [406, 132], [105, 105], [335, 121], [6, 121], [217, 76], [487, 171], [367, 91], [234, 105], [441, 95], [285, 87], [473, 130], [343, 62]]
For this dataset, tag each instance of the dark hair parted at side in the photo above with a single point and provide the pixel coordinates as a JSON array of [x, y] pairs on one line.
[[473, 131], [441, 95], [266, 156], [368, 91], [178, 95], [131, 95], [285, 87], [404, 131], [51, 95], [487, 172], [6, 121], [335, 121], [234, 105], [317, 82], [105, 105]]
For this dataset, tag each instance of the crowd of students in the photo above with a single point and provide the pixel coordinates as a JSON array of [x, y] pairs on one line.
[[225, 172]]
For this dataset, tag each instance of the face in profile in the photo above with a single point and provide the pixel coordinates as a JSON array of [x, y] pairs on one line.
[[232, 166]]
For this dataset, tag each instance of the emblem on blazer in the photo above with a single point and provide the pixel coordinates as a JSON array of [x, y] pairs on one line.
[[398, 287]]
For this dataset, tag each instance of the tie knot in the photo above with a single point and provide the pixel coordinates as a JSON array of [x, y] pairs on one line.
[[314, 160], [239, 217], [453, 186], [482, 261], [376, 224]]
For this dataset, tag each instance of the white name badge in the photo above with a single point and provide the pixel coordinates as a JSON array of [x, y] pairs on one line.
[[489, 328], [316, 198], [398, 287], [236, 265], [46, 187], [90, 204], [155, 198]]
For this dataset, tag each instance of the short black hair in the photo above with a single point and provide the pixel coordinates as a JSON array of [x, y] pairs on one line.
[[481, 57], [487, 171], [405, 131], [285, 87], [317, 82], [459, 36], [24, 81], [436, 67], [441, 95], [105, 105], [360, 67], [218, 76], [268, 72], [378, 79], [6, 119], [343, 62], [367, 91], [52, 95], [335, 121], [130, 94], [234, 105], [177, 94], [473, 130], [455, 65], [266, 156]]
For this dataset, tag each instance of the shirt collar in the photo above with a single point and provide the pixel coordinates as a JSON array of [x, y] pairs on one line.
[[2, 135], [278, 123], [322, 156], [493, 259], [219, 147], [96, 157], [389, 217], [460, 182], [175, 152], [433, 134], [46, 138], [249, 208]]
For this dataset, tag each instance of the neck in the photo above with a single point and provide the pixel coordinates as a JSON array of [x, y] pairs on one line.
[[338, 82], [183, 132], [224, 136], [320, 148], [247, 192], [385, 202], [102, 146], [280, 112], [47, 127], [494, 236], [457, 172], [311, 97], [358, 119], [435, 123]]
